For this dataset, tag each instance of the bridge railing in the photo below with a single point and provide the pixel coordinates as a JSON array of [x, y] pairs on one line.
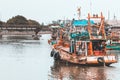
[[19, 27]]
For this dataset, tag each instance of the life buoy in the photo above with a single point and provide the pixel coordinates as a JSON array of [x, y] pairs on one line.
[[100, 60], [49, 41], [52, 53], [57, 56]]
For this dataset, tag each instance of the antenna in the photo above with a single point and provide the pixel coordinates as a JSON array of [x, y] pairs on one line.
[[79, 12], [115, 18], [90, 7], [108, 15]]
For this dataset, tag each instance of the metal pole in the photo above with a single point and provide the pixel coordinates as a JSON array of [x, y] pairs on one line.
[[85, 48]]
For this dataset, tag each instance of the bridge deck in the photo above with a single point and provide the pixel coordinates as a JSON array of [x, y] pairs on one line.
[[19, 29]]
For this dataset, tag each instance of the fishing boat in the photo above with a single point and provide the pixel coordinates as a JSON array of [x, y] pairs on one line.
[[86, 44], [113, 46], [53, 39], [114, 42]]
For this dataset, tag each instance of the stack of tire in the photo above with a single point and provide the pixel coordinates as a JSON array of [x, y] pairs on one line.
[[55, 55]]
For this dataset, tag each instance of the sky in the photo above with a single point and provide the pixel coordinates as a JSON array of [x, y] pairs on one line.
[[45, 11]]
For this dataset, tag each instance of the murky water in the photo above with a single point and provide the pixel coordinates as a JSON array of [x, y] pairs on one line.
[[23, 59]]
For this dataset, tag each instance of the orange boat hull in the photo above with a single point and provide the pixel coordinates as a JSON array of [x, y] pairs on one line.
[[65, 55]]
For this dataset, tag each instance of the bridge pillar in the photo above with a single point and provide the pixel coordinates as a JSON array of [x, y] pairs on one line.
[[0, 35], [35, 37]]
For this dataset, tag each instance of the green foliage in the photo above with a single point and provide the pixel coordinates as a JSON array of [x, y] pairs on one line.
[[33, 22], [18, 20], [1, 23]]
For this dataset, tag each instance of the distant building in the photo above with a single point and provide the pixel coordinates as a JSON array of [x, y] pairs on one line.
[[62, 23], [114, 28], [113, 22]]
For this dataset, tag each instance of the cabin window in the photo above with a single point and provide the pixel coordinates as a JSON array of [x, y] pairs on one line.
[[98, 45]]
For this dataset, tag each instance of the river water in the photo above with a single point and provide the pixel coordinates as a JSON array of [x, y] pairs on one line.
[[27, 59]]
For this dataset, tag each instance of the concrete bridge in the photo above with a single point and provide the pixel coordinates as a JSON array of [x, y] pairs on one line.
[[19, 30]]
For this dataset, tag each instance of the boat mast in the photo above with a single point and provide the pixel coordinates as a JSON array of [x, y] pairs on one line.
[[90, 7], [108, 15], [79, 12]]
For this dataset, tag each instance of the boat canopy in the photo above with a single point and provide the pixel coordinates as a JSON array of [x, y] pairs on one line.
[[83, 22], [55, 27], [81, 35]]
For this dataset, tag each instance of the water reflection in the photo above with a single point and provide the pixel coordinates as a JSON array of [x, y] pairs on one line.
[[25, 59], [62, 71], [65, 71]]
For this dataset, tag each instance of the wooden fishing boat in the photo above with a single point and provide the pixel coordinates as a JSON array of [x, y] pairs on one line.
[[53, 39], [113, 43], [113, 46], [113, 37], [86, 45]]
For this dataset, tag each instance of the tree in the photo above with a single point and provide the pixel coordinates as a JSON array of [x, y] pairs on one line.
[[2, 23], [33, 22], [18, 20]]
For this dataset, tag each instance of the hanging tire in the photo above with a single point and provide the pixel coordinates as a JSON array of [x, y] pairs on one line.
[[52, 53], [107, 64], [100, 60], [57, 56]]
